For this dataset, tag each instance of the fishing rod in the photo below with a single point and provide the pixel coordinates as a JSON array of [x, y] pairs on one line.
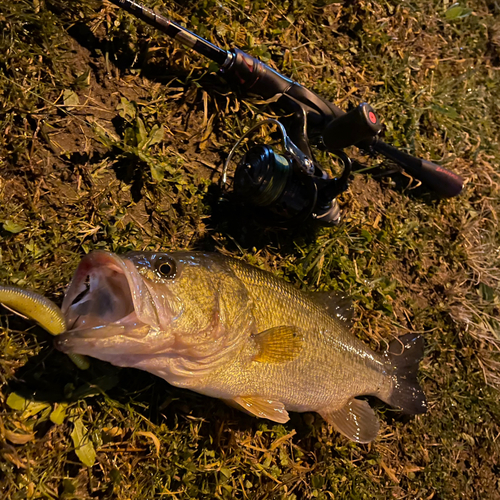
[[291, 187]]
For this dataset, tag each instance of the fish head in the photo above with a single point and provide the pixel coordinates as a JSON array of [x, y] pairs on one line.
[[163, 312]]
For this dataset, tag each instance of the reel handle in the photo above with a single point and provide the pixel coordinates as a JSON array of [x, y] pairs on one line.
[[440, 179]]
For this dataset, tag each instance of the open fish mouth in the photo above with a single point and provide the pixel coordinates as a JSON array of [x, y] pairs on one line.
[[99, 293], [106, 303]]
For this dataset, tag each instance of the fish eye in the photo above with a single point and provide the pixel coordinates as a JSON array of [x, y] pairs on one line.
[[166, 267]]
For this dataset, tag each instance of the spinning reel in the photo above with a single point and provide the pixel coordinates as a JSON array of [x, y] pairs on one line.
[[292, 186], [287, 187]]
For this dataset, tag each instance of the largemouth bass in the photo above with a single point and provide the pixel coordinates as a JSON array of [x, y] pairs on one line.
[[225, 329]]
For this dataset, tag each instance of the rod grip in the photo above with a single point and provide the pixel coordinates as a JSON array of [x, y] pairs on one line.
[[359, 124], [440, 179]]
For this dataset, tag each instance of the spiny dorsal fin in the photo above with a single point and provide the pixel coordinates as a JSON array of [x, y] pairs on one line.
[[262, 408], [335, 303], [355, 420], [278, 344]]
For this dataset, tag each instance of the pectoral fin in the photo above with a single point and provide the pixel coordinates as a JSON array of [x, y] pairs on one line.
[[279, 344], [262, 408], [356, 420]]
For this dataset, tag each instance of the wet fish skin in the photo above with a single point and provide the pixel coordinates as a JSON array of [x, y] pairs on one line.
[[225, 329]]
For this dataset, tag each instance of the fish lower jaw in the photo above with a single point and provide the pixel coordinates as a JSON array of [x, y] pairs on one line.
[[107, 341]]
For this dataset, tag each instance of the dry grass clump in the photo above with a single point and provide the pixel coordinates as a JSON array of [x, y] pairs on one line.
[[477, 299]]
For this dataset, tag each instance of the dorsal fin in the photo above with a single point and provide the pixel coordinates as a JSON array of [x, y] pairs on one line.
[[278, 344], [355, 420], [335, 303]]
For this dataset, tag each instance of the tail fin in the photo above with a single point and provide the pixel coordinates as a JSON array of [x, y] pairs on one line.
[[404, 354]]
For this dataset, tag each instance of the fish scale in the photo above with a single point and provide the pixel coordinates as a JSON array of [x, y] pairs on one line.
[[334, 351]]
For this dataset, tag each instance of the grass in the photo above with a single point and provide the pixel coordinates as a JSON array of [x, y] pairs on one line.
[[112, 136]]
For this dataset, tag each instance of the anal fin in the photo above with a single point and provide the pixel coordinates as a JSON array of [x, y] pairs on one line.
[[262, 408], [355, 420]]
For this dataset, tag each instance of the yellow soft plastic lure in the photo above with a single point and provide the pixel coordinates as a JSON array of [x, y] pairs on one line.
[[42, 310]]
